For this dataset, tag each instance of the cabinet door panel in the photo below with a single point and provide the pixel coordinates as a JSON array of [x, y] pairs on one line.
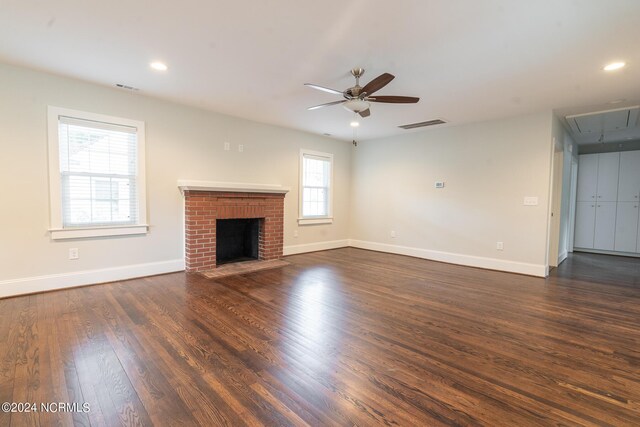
[[585, 225], [629, 182], [587, 177], [605, 230], [608, 167], [626, 226]]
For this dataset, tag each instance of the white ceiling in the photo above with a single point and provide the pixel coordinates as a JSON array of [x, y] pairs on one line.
[[468, 60]]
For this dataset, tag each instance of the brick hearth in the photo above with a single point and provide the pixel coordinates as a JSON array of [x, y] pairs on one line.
[[203, 208]]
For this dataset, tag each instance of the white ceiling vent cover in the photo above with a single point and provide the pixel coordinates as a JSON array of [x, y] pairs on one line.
[[127, 87], [423, 124], [604, 121]]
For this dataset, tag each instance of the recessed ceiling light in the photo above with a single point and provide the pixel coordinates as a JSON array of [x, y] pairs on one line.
[[614, 66], [355, 124], [159, 66]]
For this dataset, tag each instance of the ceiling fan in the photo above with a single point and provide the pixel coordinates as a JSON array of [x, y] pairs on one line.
[[357, 98]]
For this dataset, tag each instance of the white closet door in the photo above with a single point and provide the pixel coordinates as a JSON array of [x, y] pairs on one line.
[[626, 226], [608, 167], [605, 230], [629, 182], [587, 177], [585, 225]]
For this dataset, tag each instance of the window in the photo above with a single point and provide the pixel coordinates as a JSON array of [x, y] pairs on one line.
[[96, 175], [315, 187]]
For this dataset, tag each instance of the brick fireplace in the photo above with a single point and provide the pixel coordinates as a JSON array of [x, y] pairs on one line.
[[205, 203]]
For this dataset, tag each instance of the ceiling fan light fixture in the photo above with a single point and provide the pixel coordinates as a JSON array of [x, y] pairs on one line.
[[356, 105]]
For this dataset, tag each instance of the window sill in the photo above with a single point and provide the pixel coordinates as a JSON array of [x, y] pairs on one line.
[[81, 233], [313, 221]]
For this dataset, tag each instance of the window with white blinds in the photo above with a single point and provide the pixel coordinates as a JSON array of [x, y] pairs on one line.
[[97, 178], [315, 187]]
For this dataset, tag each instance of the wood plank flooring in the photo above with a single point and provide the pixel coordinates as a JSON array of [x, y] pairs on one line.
[[341, 337]]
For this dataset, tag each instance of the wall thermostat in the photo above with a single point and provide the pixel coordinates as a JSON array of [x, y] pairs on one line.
[[439, 184]]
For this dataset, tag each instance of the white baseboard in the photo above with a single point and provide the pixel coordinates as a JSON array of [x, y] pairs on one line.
[[313, 247], [601, 252], [469, 260], [29, 285]]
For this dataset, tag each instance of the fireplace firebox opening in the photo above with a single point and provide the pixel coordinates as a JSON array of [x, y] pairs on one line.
[[237, 240]]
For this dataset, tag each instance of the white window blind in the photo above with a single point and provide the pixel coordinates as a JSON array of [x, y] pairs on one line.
[[316, 185], [98, 173]]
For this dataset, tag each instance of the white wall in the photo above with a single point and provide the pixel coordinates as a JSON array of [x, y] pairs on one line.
[[182, 143], [488, 169]]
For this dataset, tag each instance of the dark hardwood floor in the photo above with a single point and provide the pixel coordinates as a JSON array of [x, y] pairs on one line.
[[342, 337]]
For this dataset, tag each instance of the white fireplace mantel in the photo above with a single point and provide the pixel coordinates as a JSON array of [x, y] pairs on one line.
[[237, 187]]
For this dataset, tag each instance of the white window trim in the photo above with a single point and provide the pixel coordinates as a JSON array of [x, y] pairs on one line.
[[327, 219], [55, 196]]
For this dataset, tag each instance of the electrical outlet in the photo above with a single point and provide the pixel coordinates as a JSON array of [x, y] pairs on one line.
[[240, 148], [500, 246], [530, 201], [227, 146], [73, 253], [393, 234], [295, 233]]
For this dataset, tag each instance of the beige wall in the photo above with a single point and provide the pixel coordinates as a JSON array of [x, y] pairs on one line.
[[181, 143], [488, 169]]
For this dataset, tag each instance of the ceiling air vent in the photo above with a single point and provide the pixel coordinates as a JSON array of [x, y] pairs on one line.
[[121, 86], [423, 124]]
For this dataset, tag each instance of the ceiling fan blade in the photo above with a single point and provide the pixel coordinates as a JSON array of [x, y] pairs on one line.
[[315, 107], [365, 113], [395, 99], [324, 89], [378, 83]]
